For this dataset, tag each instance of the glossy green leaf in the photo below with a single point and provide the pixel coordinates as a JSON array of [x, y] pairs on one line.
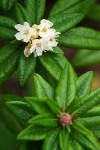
[[84, 85], [90, 121], [63, 139], [21, 109], [26, 67], [86, 58], [95, 111], [73, 145], [7, 22], [96, 131], [64, 22], [44, 120], [81, 38], [86, 140], [33, 133], [21, 14], [48, 62], [50, 139], [30, 7], [7, 4], [94, 14], [40, 8], [9, 66], [11, 97], [66, 89], [88, 102], [42, 88], [72, 6], [37, 104], [7, 51], [53, 105]]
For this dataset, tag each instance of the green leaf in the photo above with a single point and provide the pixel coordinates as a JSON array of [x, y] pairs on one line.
[[50, 139], [90, 121], [26, 68], [44, 120], [40, 8], [86, 58], [66, 89], [81, 37], [73, 145], [11, 97], [7, 22], [21, 14], [37, 104], [6, 4], [33, 133], [88, 102], [7, 51], [72, 6], [63, 139], [83, 85], [94, 14], [30, 7], [9, 67], [96, 131], [95, 111], [64, 22], [86, 140], [42, 88], [53, 105], [21, 109]]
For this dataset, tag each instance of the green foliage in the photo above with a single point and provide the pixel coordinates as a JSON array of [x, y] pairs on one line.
[[7, 4], [49, 109]]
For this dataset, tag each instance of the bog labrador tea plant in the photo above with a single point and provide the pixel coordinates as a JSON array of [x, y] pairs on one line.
[[62, 112]]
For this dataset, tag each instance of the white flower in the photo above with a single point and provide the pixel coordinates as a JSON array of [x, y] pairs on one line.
[[25, 32], [44, 26], [38, 46]]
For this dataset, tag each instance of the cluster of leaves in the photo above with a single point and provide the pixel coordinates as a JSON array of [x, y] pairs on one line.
[[64, 18], [71, 96]]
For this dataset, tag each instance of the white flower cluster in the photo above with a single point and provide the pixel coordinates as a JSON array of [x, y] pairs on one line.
[[40, 38]]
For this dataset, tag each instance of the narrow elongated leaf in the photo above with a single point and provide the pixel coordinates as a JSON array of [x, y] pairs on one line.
[[71, 6], [26, 67], [33, 133], [65, 92], [86, 58], [37, 104], [81, 38], [30, 6], [42, 88], [11, 97], [95, 111], [40, 8], [64, 22], [90, 121], [87, 141], [96, 131], [45, 120], [6, 4], [21, 109], [88, 102], [73, 145], [6, 33], [50, 139], [84, 84], [53, 105], [7, 22], [48, 62], [63, 139], [9, 67], [7, 51], [21, 14]]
